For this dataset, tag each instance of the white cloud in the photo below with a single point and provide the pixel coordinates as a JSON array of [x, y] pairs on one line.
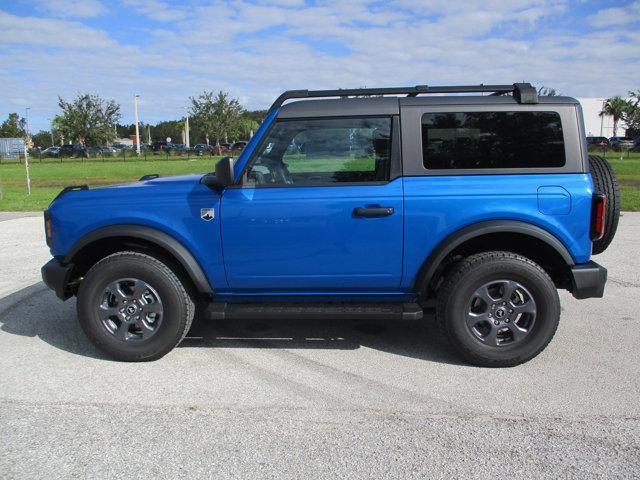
[[71, 8], [157, 10], [50, 33], [255, 51], [615, 16]]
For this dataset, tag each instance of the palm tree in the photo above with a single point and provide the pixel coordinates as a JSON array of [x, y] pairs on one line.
[[632, 118], [615, 107], [548, 92]]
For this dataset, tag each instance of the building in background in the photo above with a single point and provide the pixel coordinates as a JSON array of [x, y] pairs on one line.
[[125, 141], [596, 125], [11, 147]]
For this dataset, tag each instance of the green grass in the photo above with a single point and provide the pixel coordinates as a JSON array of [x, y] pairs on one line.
[[628, 173], [48, 178]]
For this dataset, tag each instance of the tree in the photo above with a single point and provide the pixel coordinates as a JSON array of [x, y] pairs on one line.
[[13, 126], [169, 128], [616, 107], [42, 139], [548, 92], [217, 118], [245, 129], [256, 115], [125, 130], [57, 127], [632, 116], [89, 119]]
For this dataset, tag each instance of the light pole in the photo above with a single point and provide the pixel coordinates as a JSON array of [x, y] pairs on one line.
[[186, 127], [26, 151], [135, 114]]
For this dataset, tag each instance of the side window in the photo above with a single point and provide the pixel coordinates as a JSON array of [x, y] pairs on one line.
[[477, 140], [323, 151]]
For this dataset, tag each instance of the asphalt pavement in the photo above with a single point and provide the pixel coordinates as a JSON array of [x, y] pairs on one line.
[[322, 399]]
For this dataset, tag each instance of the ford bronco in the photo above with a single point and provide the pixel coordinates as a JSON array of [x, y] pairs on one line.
[[365, 203]]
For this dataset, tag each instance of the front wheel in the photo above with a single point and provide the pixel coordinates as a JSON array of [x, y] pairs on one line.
[[498, 309], [133, 307]]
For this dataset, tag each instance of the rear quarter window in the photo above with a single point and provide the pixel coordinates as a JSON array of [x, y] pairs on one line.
[[492, 140]]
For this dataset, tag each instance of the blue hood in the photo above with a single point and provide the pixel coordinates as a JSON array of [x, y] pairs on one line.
[[170, 204]]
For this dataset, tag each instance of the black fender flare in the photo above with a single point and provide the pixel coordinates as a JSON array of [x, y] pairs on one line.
[[446, 246], [152, 235]]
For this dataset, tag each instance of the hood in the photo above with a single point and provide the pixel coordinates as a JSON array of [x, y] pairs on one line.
[[142, 190], [159, 181]]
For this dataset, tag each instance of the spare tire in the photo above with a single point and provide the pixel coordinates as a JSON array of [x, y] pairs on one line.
[[605, 183]]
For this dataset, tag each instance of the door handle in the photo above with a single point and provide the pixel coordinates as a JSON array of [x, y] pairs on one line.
[[372, 211]]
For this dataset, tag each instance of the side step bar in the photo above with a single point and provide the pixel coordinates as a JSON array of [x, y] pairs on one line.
[[313, 311]]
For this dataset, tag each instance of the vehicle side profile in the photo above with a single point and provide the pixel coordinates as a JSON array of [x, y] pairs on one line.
[[373, 204]]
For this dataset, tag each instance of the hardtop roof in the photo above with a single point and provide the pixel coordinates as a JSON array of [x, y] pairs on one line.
[[391, 105]]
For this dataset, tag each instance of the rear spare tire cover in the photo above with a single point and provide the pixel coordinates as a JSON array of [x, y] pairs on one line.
[[605, 182]]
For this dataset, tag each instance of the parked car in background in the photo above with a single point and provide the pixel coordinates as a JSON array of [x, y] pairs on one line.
[[222, 149], [159, 146], [51, 152], [201, 148], [237, 147], [72, 151], [600, 142], [621, 143], [108, 151]]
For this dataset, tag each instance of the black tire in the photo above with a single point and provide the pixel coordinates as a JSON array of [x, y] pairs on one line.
[[605, 182], [176, 306], [455, 298]]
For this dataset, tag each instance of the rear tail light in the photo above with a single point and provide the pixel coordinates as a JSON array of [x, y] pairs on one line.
[[48, 230], [598, 216]]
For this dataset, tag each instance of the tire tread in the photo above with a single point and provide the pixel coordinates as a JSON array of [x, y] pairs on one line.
[[605, 182], [451, 281], [173, 278]]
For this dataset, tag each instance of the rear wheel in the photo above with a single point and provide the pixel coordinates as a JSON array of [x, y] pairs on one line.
[[605, 182], [133, 307], [498, 309]]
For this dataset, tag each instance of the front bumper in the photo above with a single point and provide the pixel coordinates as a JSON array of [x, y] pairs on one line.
[[588, 280], [56, 277]]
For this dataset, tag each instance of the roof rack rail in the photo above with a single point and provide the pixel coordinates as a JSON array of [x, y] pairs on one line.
[[522, 92]]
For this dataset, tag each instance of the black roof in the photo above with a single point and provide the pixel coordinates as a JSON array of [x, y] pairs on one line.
[[391, 105], [372, 101]]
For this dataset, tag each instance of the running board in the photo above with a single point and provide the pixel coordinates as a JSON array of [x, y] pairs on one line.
[[313, 311]]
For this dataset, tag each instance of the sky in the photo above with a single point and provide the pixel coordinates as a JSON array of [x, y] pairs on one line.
[[168, 51]]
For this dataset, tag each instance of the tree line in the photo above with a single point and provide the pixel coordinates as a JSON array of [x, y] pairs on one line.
[[213, 119], [90, 120]]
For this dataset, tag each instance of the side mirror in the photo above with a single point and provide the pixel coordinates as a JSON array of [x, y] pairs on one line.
[[223, 176]]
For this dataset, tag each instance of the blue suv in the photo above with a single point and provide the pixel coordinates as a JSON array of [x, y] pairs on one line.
[[376, 204]]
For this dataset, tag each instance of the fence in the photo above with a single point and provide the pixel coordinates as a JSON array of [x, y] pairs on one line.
[[11, 147], [603, 150], [128, 155], [124, 155]]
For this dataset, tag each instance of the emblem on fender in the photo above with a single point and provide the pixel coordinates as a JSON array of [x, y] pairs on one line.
[[207, 214]]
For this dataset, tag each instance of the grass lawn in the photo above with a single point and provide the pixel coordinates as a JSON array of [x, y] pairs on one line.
[[628, 173], [47, 179]]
